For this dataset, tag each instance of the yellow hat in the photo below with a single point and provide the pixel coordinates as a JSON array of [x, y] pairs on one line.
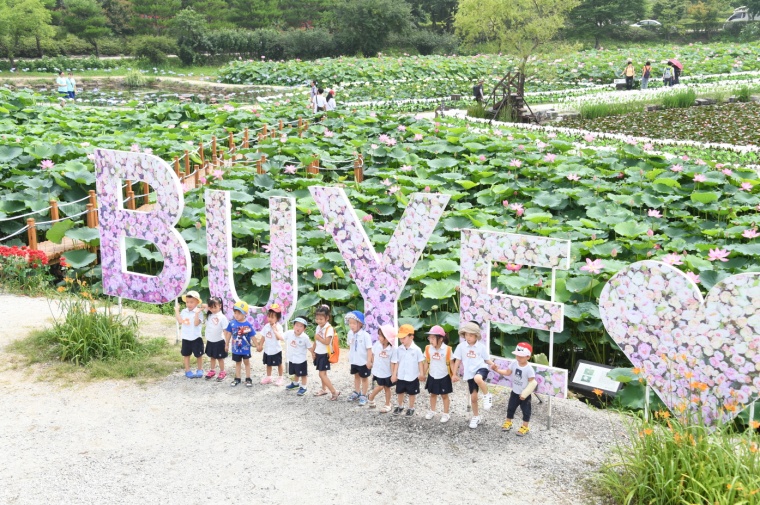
[[241, 306], [405, 330], [192, 294]]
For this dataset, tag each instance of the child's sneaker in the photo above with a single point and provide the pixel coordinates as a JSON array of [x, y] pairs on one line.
[[291, 386], [222, 375], [189, 374], [522, 431], [301, 391], [362, 400], [409, 412], [474, 422], [430, 415], [507, 425], [279, 381], [266, 380], [397, 411], [487, 401], [248, 382], [198, 373], [353, 396], [235, 382], [445, 418], [210, 374]]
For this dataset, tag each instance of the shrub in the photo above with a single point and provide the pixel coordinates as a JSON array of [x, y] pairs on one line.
[[24, 269], [750, 32], [679, 100], [476, 110], [425, 42], [153, 49], [676, 463], [308, 44], [744, 94], [135, 79]]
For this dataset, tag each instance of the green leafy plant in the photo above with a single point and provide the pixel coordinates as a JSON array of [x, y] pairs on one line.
[[680, 100], [135, 79]]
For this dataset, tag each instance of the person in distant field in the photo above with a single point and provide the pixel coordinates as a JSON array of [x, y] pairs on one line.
[[330, 101], [320, 104], [477, 92], [313, 94], [646, 73], [629, 74], [667, 75], [71, 86], [63, 85], [676, 75]]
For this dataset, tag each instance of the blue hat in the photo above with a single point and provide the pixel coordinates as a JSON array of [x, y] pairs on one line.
[[355, 314], [301, 320]]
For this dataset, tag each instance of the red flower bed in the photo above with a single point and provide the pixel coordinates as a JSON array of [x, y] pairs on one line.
[[33, 258]]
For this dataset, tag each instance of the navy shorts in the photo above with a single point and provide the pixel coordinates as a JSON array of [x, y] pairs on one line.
[[408, 387], [321, 362], [237, 358], [297, 369], [216, 350], [194, 347], [384, 381], [272, 359], [483, 372], [442, 386], [362, 370]]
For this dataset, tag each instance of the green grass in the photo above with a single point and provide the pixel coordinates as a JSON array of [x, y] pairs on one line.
[[679, 100], [597, 110], [670, 463]]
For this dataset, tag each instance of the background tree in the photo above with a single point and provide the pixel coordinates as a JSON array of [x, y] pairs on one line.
[[706, 15], [671, 14], [119, 14], [190, 28], [439, 12], [253, 14], [22, 18], [305, 13], [364, 25], [154, 15], [87, 20], [598, 17], [519, 27]]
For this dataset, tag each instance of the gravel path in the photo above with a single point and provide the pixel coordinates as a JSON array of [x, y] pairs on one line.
[[192, 441]]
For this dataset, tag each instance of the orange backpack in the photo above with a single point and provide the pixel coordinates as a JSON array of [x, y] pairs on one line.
[[448, 357], [333, 349]]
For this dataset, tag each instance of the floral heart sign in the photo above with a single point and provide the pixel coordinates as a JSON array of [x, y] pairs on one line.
[[701, 356]]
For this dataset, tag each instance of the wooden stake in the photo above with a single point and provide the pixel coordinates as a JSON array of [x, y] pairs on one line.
[[200, 153], [300, 122], [54, 210], [313, 167], [213, 150], [359, 169], [31, 234], [264, 131], [197, 175], [94, 198], [232, 142], [176, 166], [90, 214], [187, 163], [131, 200], [146, 193], [280, 124], [245, 139]]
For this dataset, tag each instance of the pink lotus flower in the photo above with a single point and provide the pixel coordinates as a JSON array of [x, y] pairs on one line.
[[540, 145], [383, 138], [654, 213], [677, 168], [289, 169], [202, 180], [284, 139], [482, 158], [673, 259], [47, 164], [148, 150], [593, 267], [393, 189], [518, 208], [513, 267], [573, 177], [694, 277], [328, 134], [318, 273], [135, 148], [700, 162], [746, 186], [515, 163], [685, 158], [401, 128], [648, 147], [589, 137], [505, 203], [650, 233], [718, 255], [552, 135], [374, 146], [700, 178], [550, 157], [418, 136], [391, 142], [427, 189], [367, 218], [229, 108], [406, 168], [750, 233], [727, 171], [218, 174], [91, 156]]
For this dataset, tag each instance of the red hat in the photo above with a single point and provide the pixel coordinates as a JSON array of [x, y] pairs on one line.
[[523, 349], [437, 330], [275, 307]]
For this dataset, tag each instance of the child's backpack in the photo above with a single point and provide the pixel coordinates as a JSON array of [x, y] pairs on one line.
[[333, 350], [448, 357]]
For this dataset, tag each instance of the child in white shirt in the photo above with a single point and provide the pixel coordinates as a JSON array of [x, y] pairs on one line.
[[438, 371], [297, 343], [407, 370], [472, 353], [215, 344], [383, 352], [269, 339], [323, 338], [523, 385], [190, 319], [359, 356]]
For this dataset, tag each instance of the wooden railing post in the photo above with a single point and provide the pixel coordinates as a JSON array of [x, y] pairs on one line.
[[264, 130], [197, 175], [280, 124], [200, 152], [313, 167], [90, 216], [187, 162], [232, 142], [300, 122], [245, 138], [359, 169], [94, 203], [54, 215], [131, 200], [31, 234], [145, 193], [176, 166], [260, 164], [213, 150]]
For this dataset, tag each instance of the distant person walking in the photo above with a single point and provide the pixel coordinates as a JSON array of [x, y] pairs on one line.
[[320, 104], [645, 75], [313, 94], [71, 86], [477, 92], [629, 73], [63, 85], [330, 100], [676, 74], [667, 75]]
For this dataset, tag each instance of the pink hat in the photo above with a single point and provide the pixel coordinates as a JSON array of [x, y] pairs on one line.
[[437, 330], [389, 332]]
